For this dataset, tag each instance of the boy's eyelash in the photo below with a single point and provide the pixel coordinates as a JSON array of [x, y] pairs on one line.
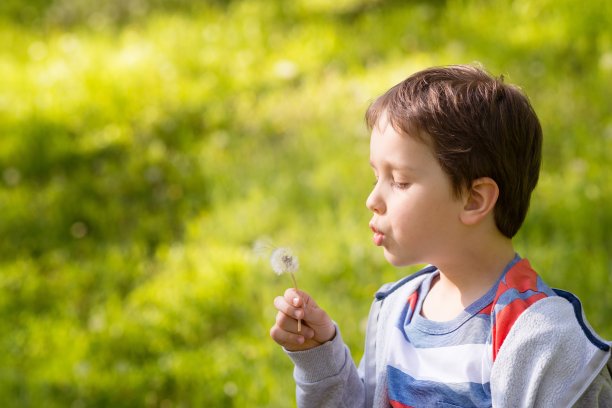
[[400, 186], [394, 184]]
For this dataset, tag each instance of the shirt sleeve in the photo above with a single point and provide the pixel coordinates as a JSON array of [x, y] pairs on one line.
[[599, 393], [546, 359], [326, 376]]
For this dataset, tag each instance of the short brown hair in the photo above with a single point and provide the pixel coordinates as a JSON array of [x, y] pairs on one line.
[[477, 125]]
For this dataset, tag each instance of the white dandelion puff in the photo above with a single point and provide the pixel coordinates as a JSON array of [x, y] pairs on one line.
[[284, 261]]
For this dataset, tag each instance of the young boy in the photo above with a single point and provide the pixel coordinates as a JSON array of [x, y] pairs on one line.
[[456, 154]]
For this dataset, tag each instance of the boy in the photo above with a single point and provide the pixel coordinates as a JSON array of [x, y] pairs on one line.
[[456, 154]]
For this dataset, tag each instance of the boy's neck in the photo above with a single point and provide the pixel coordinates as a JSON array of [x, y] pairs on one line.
[[466, 278]]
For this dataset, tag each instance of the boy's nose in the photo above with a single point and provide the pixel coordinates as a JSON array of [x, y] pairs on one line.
[[375, 203]]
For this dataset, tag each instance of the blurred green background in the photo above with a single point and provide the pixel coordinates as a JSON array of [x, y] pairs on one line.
[[148, 146]]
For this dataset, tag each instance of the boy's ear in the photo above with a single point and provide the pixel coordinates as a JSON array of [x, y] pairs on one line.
[[480, 200]]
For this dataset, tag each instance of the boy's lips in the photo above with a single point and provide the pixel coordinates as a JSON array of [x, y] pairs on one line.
[[378, 236]]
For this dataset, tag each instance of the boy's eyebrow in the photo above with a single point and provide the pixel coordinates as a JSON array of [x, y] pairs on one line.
[[395, 166]]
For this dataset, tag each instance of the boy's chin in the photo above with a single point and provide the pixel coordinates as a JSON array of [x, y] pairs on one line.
[[397, 261]]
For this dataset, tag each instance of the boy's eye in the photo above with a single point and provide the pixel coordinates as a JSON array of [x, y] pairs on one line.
[[400, 186]]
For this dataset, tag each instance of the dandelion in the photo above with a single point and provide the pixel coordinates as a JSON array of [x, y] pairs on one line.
[[283, 261]]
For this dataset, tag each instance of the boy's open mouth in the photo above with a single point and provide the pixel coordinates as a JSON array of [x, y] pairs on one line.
[[378, 236]]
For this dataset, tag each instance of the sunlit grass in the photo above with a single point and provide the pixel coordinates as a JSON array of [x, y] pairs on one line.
[[141, 162]]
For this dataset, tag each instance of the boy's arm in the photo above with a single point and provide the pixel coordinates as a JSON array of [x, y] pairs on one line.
[[546, 359], [599, 393], [324, 373], [326, 376]]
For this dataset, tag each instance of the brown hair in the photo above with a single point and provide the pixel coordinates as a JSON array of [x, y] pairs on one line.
[[477, 125]]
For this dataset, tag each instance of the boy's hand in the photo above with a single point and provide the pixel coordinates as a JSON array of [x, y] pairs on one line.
[[317, 327]]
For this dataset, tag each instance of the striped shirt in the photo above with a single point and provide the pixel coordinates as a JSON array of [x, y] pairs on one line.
[[449, 363]]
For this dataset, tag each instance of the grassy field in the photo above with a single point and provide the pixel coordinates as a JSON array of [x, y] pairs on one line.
[[148, 147]]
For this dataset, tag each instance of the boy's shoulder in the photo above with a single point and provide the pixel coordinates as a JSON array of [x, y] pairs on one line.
[[522, 294], [410, 283], [518, 290]]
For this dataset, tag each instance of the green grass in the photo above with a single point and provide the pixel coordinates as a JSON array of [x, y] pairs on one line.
[[147, 147]]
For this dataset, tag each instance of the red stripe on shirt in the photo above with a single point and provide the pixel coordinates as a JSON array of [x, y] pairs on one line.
[[522, 278], [396, 404], [412, 300]]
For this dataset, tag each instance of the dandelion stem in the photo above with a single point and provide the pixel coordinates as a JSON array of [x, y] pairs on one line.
[[295, 286], [282, 261]]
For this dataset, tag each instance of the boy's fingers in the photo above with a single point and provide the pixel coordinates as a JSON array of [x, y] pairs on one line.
[[282, 306], [285, 338], [293, 298], [297, 298], [284, 332], [290, 325], [316, 326], [308, 311], [301, 301]]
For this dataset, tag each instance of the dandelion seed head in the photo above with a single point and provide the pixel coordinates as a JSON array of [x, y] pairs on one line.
[[283, 260]]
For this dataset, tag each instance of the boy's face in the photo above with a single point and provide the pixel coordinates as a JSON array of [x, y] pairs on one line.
[[416, 216]]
